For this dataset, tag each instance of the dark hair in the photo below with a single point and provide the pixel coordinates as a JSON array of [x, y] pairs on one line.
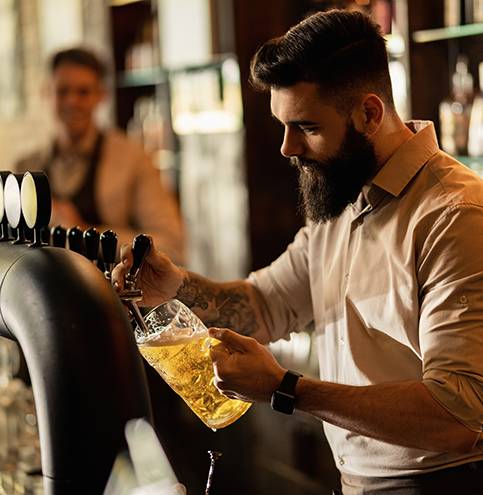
[[343, 52], [79, 56]]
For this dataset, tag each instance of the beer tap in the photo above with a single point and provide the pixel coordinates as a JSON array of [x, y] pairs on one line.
[[91, 243], [36, 204], [130, 296], [109, 248], [59, 236], [76, 241], [4, 231], [13, 208], [45, 235]]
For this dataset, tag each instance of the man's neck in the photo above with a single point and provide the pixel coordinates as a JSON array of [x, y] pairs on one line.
[[389, 138], [79, 143]]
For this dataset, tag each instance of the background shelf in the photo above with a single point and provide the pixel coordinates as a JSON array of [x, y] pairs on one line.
[[427, 35]]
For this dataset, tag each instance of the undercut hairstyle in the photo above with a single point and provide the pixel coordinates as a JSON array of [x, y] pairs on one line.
[[79, 56], [343, 52]]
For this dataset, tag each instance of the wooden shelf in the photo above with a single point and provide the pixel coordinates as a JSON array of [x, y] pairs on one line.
[[428, 35], [142, 77]]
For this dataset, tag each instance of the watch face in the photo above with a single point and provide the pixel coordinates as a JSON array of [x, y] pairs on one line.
[[282, 402]]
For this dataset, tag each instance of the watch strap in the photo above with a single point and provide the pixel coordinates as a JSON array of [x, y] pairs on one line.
[[283, 399], [289, 382]]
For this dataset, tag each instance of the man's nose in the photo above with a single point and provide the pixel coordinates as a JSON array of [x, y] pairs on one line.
[[71, 98], [291, 145]]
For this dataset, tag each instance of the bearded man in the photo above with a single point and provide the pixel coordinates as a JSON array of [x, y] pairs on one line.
[[388, 270]]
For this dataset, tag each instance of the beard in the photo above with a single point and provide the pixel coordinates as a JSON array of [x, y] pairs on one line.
[[327, 186]]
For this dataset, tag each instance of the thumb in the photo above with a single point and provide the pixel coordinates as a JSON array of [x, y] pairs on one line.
[[232, 339]]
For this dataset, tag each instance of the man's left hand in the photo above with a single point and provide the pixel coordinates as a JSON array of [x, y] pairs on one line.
[[244, 368]]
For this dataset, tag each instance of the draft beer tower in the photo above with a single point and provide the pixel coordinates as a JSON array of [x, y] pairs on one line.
[[87, 376]]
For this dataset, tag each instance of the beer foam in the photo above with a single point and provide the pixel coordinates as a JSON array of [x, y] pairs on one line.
[[168, 338]]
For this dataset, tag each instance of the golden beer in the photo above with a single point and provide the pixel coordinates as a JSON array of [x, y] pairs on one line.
[[186, 366]]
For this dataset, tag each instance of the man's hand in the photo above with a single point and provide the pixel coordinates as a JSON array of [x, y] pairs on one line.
[[244, 369], [66, 213], [159, 278]]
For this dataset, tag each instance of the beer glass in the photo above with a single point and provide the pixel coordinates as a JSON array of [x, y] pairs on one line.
[[177, 346]]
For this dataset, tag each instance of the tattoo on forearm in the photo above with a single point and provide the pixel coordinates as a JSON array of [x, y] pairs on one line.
[[229, 308]]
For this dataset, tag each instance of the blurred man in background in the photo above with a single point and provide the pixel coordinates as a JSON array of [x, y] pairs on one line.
[[100, 178]]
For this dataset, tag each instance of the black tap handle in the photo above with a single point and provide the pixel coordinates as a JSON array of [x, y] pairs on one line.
[[109, 246], [59, 236], [91, 243], [76, 240], [140, 247], [45, 235]]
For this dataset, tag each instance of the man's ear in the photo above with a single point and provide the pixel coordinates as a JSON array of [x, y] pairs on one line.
[[368, 114]]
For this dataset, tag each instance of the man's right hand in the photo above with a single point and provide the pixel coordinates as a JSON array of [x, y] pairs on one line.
[[159, 278]]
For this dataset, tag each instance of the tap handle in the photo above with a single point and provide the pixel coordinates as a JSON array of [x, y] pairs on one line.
[[109, 246], [76, 240], [59, 236], [140, 248], [91, 242]]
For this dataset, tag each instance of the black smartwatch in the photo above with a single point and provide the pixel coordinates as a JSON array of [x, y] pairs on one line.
[[283, 399]]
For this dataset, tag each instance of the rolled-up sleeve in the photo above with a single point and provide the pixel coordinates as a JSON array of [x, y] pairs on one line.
[[451, 313], [285, 290]]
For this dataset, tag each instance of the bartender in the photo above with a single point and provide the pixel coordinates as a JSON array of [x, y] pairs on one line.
[[100, 177], [388, 270]]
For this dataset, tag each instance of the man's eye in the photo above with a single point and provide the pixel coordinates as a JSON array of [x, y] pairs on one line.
[[309, 130]]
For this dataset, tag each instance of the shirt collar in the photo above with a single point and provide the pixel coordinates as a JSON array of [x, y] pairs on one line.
[[408, 159]]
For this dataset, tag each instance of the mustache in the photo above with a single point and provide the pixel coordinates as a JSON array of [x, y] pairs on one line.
[[301, 162]]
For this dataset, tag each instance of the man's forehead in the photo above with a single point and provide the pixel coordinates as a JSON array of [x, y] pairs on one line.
[[301, 100], [75, 71]]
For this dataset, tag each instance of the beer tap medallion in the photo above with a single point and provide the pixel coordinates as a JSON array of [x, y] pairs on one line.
[[36, 203], [13, 206], [4, 234]]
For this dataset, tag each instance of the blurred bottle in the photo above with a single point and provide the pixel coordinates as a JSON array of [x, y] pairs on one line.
[[452, 13], [454, 112], [475, 134], [148, 125], [457, 12], [478, 11], [143, 53]]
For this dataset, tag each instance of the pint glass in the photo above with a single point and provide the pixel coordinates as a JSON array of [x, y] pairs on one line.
[[178, 347]]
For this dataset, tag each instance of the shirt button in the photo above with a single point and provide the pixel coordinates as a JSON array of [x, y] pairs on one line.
[[341, 461], [463, 299], [341, 341], [346, 276]]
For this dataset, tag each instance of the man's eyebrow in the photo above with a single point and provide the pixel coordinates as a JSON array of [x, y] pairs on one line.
[[295, 122]]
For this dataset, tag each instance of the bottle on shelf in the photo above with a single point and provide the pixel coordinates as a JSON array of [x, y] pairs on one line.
[[454, 112], [478, 11], [475, 134]]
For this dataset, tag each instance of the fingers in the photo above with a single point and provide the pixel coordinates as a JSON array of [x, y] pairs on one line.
[[232, 339], [121, 269], [219, 352]]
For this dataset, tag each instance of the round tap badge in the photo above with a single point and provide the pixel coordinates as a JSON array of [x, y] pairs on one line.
[[3, 177], [35, 199], [11, 199]]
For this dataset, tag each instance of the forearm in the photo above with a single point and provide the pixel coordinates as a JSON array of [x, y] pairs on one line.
[[402, 413], [234, 305]]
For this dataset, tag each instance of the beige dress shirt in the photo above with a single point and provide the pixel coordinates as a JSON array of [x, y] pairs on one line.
[[131, 197], [394, 289]]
